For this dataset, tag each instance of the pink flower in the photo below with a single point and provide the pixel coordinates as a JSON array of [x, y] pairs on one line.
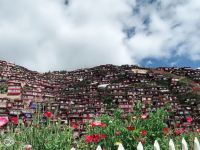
[[198, 130], [117, 133], [189, 119], [3, 121], [144, 116], [28, 147]]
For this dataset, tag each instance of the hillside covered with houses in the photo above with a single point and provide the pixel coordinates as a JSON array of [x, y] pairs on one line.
[[76, 97]]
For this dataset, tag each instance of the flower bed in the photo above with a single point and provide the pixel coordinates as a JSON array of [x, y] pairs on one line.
[[47, 133], [110, 131], [41, 134]]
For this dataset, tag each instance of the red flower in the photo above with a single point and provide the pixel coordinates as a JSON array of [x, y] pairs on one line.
[[189, 119], [194, 83], [35, 125], [194, 89], [143, 141], [102, 125], [198, 130], [144, 116], [28, 147], [103, 136], [178, 132], [117, 132], [178, 125], [3, 121], [166, 131], [98, 123], [143, 132], [74, 126], [35, 113], [14, 120], [89, 138], [96, 138], [48, 114], [130, 128]]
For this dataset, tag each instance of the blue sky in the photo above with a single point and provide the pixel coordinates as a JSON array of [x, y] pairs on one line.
[[55, 35], [172, 62]]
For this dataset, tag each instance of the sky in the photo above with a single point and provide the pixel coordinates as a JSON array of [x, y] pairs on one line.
[[52, 35]]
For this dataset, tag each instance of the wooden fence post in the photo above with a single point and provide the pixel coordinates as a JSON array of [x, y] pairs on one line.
[[156, 145], [171, 145], [120, 147], [99, 148], [196, 144], [184, 145], [140, 146]]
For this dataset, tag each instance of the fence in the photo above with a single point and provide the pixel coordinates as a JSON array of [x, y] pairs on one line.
[[157, 146]]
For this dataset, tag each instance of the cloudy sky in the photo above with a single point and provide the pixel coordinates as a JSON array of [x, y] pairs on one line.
[[47, 35]]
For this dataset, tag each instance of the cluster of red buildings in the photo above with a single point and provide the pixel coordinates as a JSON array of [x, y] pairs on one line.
[[78, 96]]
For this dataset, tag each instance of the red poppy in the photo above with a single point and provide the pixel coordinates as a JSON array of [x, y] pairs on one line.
[[189, 119], [74, 126], [198, 130], [178, 132], [178, 125], [48, 114], [130, 128], [89, 138], [166, 131], [98, 123], [143, 141], [117, 133], [143, 132], [25, 122], [96, 138], [35, 125], [103, 136], [144, 116], [194, 89], [3, 121], [14, 120], [184, 131]]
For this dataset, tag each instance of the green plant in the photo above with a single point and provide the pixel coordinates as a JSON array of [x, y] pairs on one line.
[[109, 131], [42, 136]]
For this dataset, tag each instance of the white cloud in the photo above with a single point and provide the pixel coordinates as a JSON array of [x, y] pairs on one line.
[[48, 35], [172, 30]]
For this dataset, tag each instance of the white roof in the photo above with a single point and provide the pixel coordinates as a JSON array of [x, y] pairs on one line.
[[103, 85]]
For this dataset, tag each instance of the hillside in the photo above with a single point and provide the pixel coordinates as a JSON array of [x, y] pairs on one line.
[[78, 96]]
